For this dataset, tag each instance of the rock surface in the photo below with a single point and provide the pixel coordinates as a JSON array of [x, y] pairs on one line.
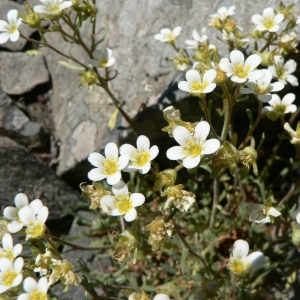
[[20, 73]]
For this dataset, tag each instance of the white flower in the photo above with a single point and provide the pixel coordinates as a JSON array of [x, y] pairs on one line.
[[260, 213], [197, 85], [240, 70], [102, 59], [281, 107], [34, 290], [123, 203], [283, 71], [35, 224], [268, 21], [8, 249], [223, 12], [295, 135], [168, 36], [10, 273], [193, 44], [161, 297], [52, 7], [262, 88], [139, 158], [10, 29], [192, 147], [239, 263], [11, 213], [108, 167]]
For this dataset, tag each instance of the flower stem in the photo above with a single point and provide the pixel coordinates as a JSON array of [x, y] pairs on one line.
[[208, 117], [232, 287], [215, 201]]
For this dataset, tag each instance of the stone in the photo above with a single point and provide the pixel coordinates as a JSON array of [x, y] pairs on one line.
[[21, 73], [21, 171]]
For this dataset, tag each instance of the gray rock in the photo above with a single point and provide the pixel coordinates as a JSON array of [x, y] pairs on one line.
[[20, 73], [5, 7], [21, 171]]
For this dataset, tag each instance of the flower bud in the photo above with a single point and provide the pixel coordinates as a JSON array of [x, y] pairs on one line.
[[230, 26], [127, 244], [165, 178], [31, 18], [89, 78], [221, 76], [296, 235]]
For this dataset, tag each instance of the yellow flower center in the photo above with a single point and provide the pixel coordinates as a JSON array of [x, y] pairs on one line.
[[124, 204], [269, 22], [141, 158], [12, 29], [9, 278], [261, 90], [7, 253], [198, 86], [37, 295], [238, 267], [170, 37], [111, 166], [281, 72], [54, 9], [193, 149], [241, 71], [35, 229], [103, 62], [280, 108]]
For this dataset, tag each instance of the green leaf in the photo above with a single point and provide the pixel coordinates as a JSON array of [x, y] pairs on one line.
[[70, 66], [113, 120]]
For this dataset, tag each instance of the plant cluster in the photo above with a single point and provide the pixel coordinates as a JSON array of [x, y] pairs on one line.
[[179, 229]]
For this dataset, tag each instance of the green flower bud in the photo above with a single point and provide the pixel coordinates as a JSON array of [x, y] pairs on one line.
[[31, 18]]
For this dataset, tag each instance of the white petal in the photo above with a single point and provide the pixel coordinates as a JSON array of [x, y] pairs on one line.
[[209, 88], [291, 109], [182, 135], [18, 264], [21, 200], [96, 159], [109, 201], [17, 280], [43, 285], [267, 109], [191, 162], [209, 75], [143, 143], [43, 214], [93, 63], [127, 149], [131, 215], [137, 199], [114, 178], [255, 260], [253, 61], [10, 213], [145, 169], [274, 28], [291, 79], [275, 100], [12, 16], [279, 18], [120, 188], [96, 175], [176, 31], [184, 86], [237, 79], [24, 296], [247, 91], [15, 36], [268, 13], [27, 215], [226, 66], [110, 62], [41, 9], [176, 153], [202, 130], [257, 19], [17, 249], [123, 161], [153, 151], [274, 212], [255, 75], [36, 205], [237, 57], [30, 285], [14, 226], [7, 241], [210, 146], [290, 66], [192, 76], [65, 4], [111, 150], [288, 99], [264, 98], [240, 249], [277, 86], [5, 265], [298, 218], [161, 297], [4, 26]]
